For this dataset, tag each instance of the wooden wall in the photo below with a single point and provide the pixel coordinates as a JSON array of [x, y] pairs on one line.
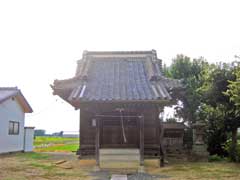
[[151, 128]]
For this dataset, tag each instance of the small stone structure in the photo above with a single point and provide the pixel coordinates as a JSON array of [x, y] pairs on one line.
[[173, 136], [199, 149]]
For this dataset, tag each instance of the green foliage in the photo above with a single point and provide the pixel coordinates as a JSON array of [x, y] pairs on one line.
[[216, 133], [228, 148], [234, 89], [190, 72], [217, 108], [212, 94], [215, 158]]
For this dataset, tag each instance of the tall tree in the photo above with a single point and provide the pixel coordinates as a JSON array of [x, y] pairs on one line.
[[190, 71], [234, 94], [216, 83]]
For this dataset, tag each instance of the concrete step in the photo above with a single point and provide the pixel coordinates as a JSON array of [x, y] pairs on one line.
[[119, 177], [119, 158], [119, 151]]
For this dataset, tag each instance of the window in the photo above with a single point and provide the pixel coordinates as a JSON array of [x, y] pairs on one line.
[[13, 128]]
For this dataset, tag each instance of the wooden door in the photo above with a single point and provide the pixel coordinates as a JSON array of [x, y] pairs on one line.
[[112, 132]]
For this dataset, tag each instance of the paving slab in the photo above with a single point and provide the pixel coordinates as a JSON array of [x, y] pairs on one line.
[[119, 177]]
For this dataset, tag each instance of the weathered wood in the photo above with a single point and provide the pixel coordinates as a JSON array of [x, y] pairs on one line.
[[162, 153], [141, 118], [97, 142], [110, 132], [78, 151]]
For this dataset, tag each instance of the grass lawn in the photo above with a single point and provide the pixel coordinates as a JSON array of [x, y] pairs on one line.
[[42, 166], [197, 170], [55, 144]]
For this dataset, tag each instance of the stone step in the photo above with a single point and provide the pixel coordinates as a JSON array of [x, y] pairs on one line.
[[119, 151], [126, 166], [119, 158], [119, 177]]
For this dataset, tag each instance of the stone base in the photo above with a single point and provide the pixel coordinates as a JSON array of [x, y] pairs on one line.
[[199, 153]]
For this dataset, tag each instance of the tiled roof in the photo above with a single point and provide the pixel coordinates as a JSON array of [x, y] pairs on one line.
[[117, 76], [8, 92]]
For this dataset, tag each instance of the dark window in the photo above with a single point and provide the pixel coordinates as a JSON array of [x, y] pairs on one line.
[[13, 128]]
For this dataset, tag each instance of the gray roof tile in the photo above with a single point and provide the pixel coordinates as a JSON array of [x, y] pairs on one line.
[[117, 76]]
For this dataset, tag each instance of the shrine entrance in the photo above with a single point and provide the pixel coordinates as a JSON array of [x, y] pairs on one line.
[[119, 132]]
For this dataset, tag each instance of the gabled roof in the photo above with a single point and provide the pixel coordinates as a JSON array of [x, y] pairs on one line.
[[9, 92], [117, 76]]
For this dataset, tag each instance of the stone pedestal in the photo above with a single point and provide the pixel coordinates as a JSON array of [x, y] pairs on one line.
[[199, 149]]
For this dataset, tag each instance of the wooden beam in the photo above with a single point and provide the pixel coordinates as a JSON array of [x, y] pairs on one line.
[[141, 140], [97, 146]]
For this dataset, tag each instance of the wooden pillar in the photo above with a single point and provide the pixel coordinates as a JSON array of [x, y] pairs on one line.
[[161, 137], [141, 118], [161, 147], [97, 145], [79, 150]]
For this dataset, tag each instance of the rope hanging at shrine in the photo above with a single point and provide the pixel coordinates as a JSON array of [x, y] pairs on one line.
[[123, 130]]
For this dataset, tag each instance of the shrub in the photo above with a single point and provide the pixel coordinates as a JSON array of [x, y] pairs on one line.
[[215, 158], [228, 146]]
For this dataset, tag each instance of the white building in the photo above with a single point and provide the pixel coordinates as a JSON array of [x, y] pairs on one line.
[[13, 135]]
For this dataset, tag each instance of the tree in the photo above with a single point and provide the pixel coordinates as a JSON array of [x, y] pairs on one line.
[[233, 93], [234, 89], [190, 71], [205, 99], [39, 132], [216, 83]]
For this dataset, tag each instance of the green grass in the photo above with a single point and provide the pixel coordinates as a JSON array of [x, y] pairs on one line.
[[55, 144], [42, 166], [33, 155], [41, 140], [57, 148], [25, 166], [198, 170]]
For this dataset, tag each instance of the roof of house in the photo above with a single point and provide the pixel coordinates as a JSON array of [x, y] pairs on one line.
[[173, 125], [117, 76], [9, 92]]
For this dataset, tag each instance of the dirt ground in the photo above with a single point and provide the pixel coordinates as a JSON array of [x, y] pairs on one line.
[[66, 166]]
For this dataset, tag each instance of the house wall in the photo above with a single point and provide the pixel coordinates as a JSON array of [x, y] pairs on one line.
[[10, 110]]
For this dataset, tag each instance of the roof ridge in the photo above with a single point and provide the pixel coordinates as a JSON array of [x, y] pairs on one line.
[[86, 52], [9, 88]]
